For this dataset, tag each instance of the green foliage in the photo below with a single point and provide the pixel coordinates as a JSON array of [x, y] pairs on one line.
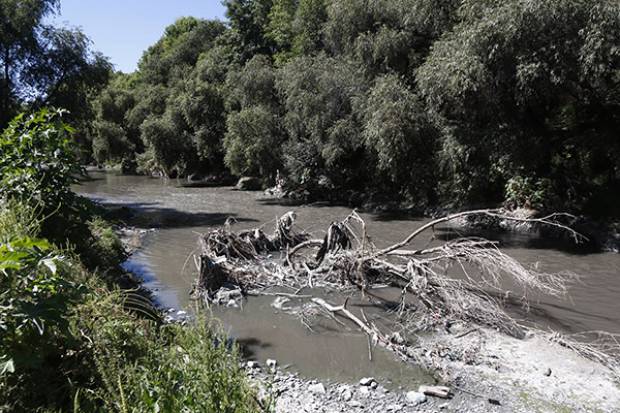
[[529, 193], [38, 161], [398, 132], [319, 96], [172, 368], [43, 65], [37, 291], [469, 93], [310, 17], [510, 90], [252, 142]]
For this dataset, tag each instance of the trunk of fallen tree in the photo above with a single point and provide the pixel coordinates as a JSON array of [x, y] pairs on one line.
[[346, 257]]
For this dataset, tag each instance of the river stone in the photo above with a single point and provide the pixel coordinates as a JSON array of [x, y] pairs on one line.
[[248, 183], [415, 397], [317, 388], [355, 403], [367, 381], [347, 395], [271, 363]]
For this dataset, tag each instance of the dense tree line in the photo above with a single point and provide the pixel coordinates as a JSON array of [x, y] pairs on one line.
[[43, 65], [425, 101]]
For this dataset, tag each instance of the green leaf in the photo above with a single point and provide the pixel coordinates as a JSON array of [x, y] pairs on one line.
[[7, 367]]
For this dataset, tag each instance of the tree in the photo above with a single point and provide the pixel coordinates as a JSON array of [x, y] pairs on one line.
[[47, 66], [510, 89], [248, 19], [318, 96], [253, 141], [310, 18], [397, 131]]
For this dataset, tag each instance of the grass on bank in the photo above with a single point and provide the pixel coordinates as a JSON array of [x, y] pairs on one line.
[[73, 338]]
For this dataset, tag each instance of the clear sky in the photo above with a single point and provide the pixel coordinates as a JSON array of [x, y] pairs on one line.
[[122, 30]]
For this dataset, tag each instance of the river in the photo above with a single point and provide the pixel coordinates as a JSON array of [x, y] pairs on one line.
[[181, 214]]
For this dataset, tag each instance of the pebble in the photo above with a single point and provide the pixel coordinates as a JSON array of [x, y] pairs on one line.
[[355, 403], [367, 381], [415, 397], [252, 364], [364, 391], [271, 363], [393, 407], [443, 406], [317, 388], [548, 372], [347, 395]]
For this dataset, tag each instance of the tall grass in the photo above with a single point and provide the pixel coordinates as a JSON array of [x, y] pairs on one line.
[[103, 349]]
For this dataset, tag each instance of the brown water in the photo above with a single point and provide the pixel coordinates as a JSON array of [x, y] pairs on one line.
[[180, 214]]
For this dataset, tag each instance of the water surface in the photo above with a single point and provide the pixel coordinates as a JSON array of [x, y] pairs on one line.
[[181, 214]]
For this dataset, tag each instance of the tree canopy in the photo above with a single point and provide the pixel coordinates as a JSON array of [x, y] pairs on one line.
[[425, 101]]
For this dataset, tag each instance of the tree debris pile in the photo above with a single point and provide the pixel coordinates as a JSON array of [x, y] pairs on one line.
[[466, 281], [346, 256]]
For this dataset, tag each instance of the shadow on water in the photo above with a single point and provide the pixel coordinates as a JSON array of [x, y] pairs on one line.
[[249, 346], [153, 215], [388, 216], [531, 241]]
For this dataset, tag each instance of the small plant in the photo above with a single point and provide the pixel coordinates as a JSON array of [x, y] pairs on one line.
[[529, 193]]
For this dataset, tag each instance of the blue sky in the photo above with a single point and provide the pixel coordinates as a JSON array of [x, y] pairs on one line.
[[122, 30]]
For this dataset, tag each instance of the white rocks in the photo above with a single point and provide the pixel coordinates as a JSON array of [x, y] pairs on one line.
[[252, 365], [346, 395], [317, 388], [271, 363], [355, 403], [415, 397], [367, 381], [364, 391], [393, 407]]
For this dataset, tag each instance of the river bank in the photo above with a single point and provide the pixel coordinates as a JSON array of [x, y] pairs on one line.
[[503, 375], [484, 370]]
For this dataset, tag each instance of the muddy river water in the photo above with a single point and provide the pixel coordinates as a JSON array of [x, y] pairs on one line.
[[181, 214]]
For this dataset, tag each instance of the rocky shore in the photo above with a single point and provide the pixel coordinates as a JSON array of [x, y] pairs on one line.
[[502, 374]]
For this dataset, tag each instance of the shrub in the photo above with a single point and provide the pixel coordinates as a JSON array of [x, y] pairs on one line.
[[38, 161], [530, 193]]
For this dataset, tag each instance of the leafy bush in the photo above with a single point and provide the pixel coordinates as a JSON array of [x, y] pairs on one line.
[[38, 160], [530, 193], [37, 292]]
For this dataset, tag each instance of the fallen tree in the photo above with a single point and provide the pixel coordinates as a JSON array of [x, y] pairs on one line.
[[468, 280]]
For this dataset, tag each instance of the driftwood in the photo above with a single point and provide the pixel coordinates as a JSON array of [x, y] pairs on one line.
[[346, 258]]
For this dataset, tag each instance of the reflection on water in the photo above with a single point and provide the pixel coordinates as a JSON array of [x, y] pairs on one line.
[[183, 213]]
